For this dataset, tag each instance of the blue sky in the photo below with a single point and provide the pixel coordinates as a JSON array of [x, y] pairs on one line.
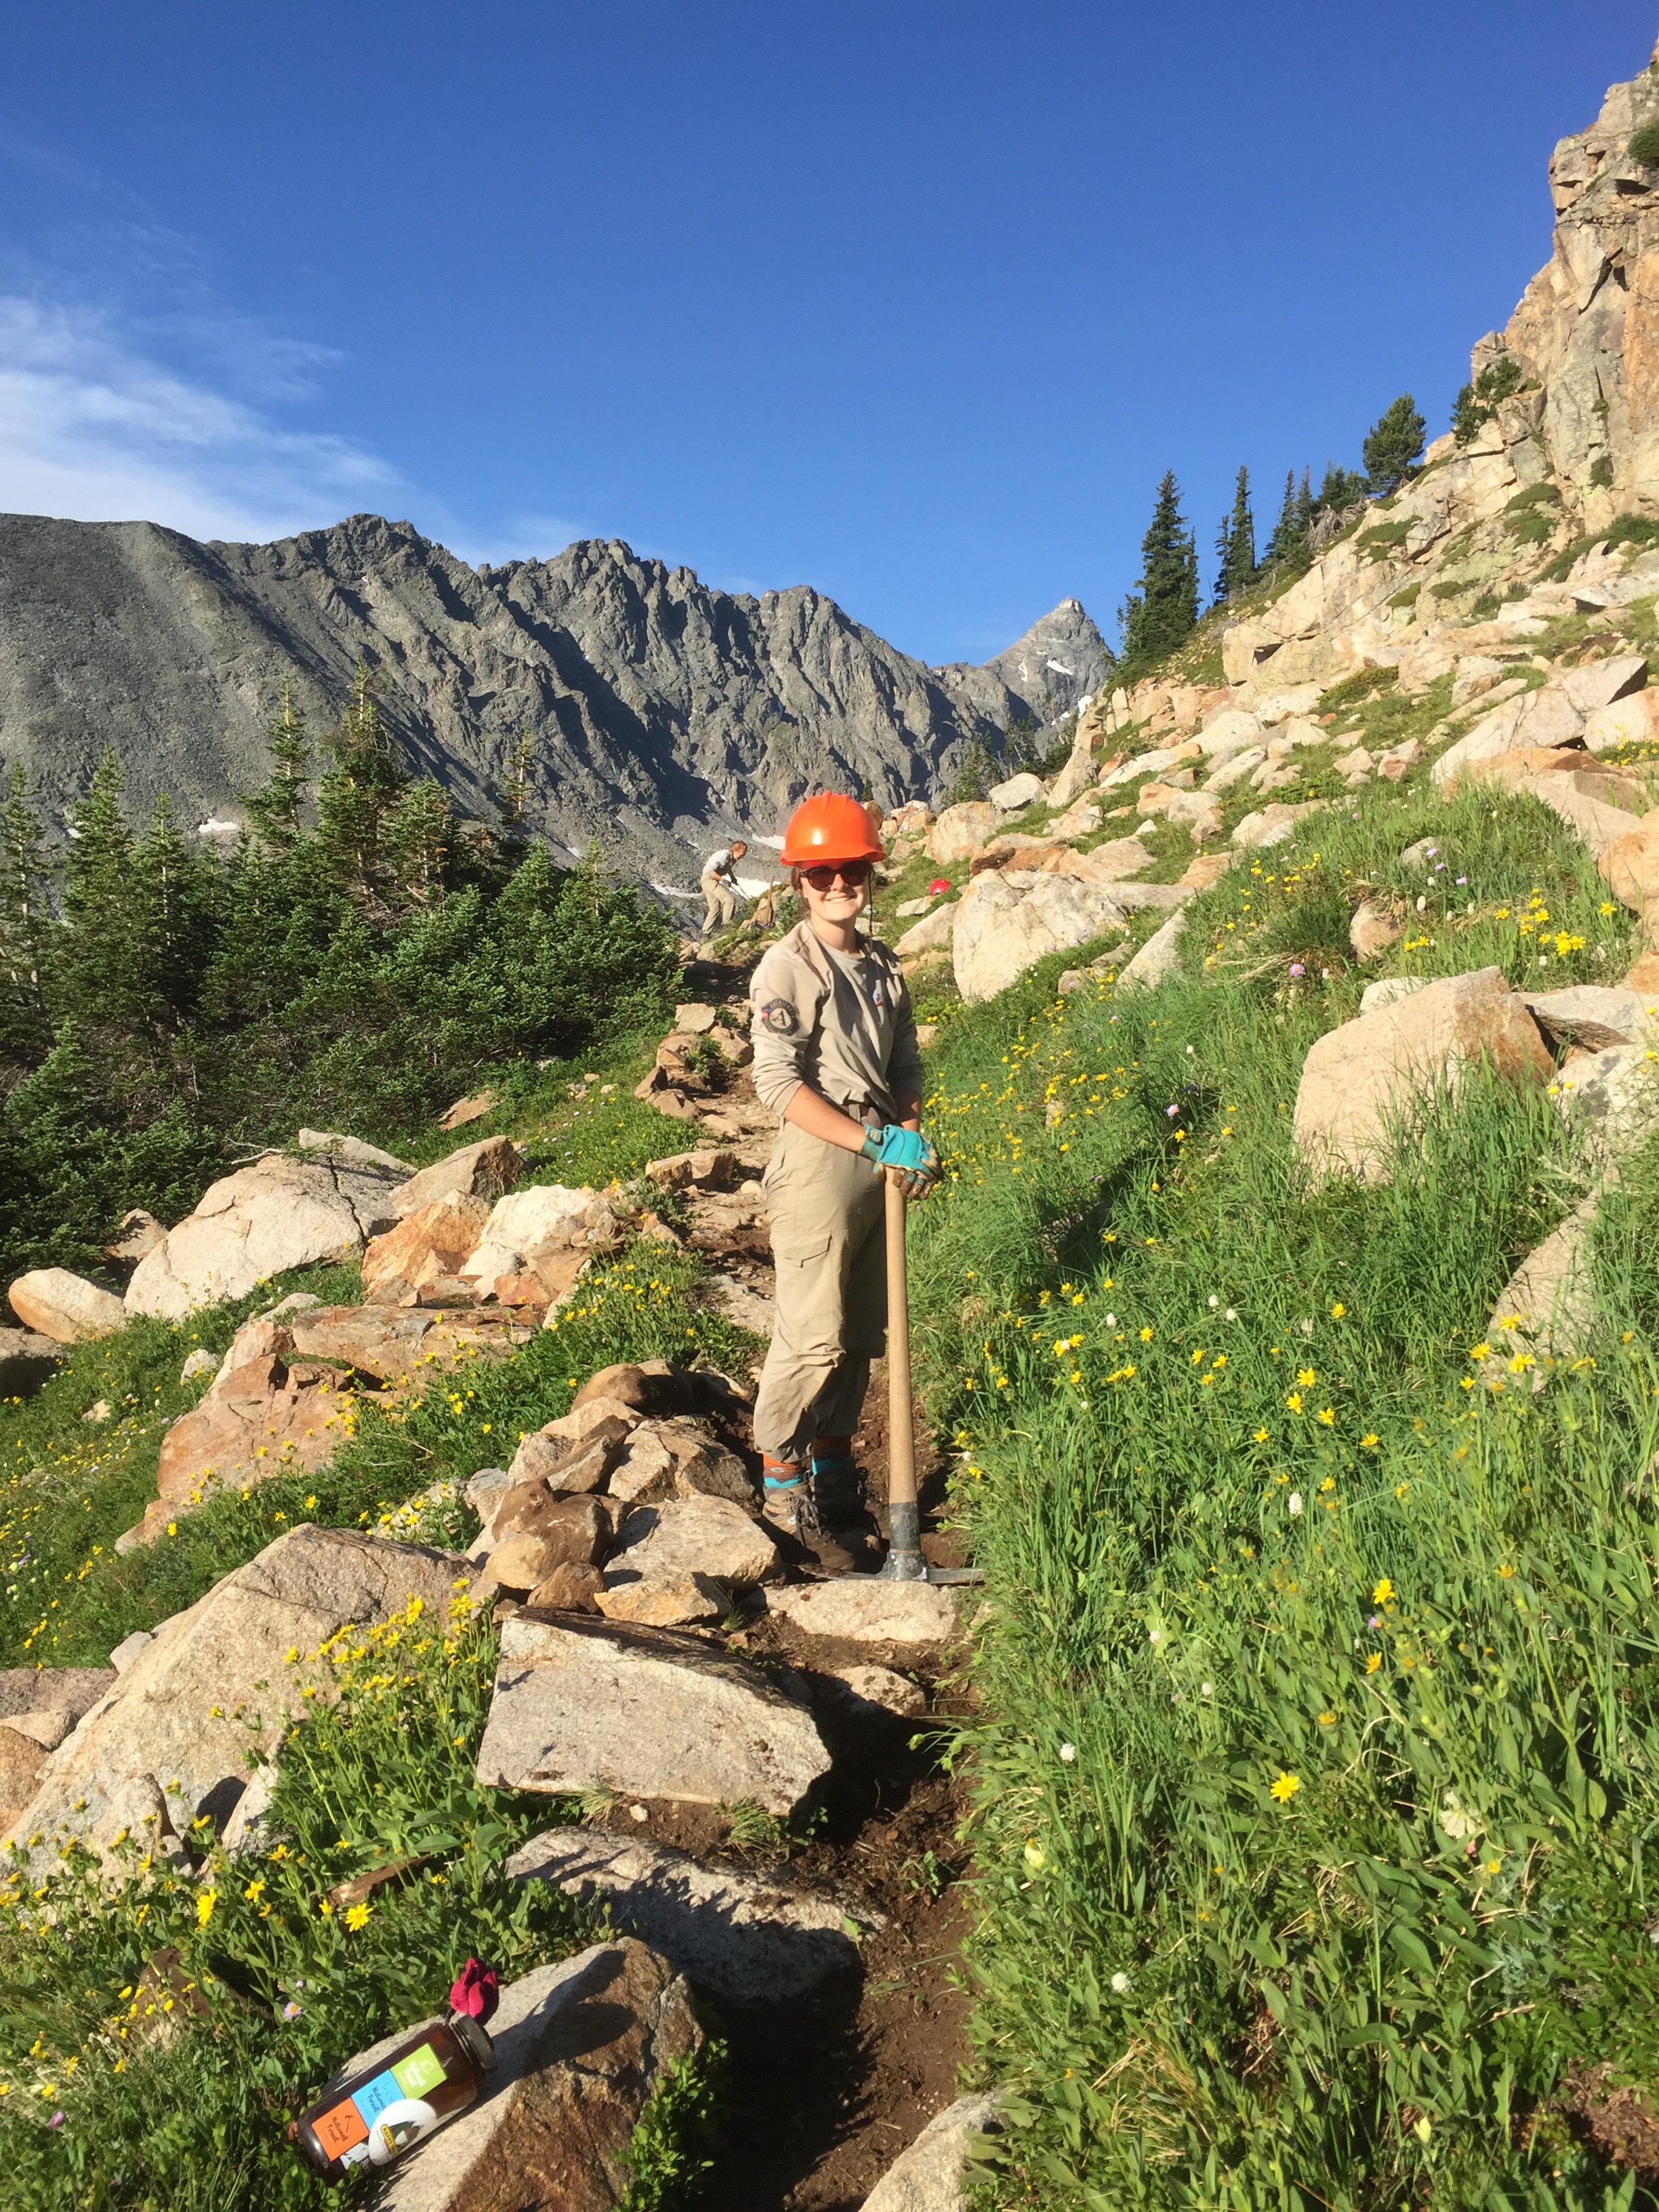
[[914, 302]]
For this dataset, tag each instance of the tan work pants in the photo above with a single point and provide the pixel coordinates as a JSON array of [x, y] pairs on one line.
[[829, 1248], [720, 903]]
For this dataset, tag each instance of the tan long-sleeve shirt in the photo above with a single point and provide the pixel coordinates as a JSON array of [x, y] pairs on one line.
[[841, 1022]]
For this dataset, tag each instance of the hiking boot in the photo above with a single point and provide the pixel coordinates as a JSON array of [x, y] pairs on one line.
[[788, 1508], [838, 1491]]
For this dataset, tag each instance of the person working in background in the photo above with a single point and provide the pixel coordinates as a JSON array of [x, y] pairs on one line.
[[719, 885]]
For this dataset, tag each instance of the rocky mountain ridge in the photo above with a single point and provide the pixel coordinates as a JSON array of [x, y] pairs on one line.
[[663, 713]]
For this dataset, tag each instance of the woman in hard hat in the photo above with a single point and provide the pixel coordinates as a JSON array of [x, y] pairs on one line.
[[836, 1059]]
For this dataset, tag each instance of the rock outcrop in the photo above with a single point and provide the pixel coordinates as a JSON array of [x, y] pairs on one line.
[[1586, 332]]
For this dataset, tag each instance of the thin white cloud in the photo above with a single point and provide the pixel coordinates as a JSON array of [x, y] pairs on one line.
[[93, 429], [525, 537]]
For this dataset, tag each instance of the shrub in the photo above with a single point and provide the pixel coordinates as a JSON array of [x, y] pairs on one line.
[[1385, 539], [1354, 690], [1644, 145], [1477, 403]]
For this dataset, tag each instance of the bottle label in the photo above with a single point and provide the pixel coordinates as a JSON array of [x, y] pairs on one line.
[[386, 2114]]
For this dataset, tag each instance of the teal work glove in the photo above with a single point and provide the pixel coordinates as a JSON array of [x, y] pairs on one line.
[[908, 1153]]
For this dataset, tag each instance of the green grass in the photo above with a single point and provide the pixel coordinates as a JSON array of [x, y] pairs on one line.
[[288, 1986], [382, 1771], [1148, 1335]]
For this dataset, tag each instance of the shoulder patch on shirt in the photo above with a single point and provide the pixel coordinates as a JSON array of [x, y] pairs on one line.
[[779, 1016]]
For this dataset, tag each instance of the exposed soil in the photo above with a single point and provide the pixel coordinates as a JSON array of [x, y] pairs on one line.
[[1619, 2122], [824, 2091]]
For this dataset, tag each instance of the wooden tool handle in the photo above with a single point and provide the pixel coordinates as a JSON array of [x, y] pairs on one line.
[[900, 1438]]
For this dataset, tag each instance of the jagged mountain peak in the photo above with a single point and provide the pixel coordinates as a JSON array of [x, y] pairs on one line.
[[662, 709]]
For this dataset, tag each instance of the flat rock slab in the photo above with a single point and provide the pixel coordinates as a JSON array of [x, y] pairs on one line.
[[928, 2176], [912, 1619], [581, 2049], [171, 1736], [734, 1933], [648, 1712]]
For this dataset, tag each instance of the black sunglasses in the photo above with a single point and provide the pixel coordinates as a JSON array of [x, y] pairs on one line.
[[853, 873]]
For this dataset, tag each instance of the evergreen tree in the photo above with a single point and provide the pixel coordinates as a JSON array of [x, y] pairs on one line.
[[1162, 611], [95, 966], [1236, 545], [26, 926], [514, 792], [274, 808], [418, 834], [1282, 546], [172, 921], [1341, 490], [363, 782], [1394, 445]]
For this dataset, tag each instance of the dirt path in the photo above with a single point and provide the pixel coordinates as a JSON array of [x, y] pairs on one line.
[[824, 2093]]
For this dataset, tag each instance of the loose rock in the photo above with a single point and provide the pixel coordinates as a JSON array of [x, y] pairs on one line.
[[928, 2176], [695, 1535], [28, 1359], [1160, 955], [64, 1307], [1357, 1076], [742, 1936], [661, 1602], [486, 1169], [912, 1620], [647, 1712]]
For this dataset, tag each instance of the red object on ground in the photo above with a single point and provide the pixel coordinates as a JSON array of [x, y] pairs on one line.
[[830, 827], [939, 883], [476, 1992]]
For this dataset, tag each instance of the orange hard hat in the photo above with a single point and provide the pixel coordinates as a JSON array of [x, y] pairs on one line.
[[830, 827]]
